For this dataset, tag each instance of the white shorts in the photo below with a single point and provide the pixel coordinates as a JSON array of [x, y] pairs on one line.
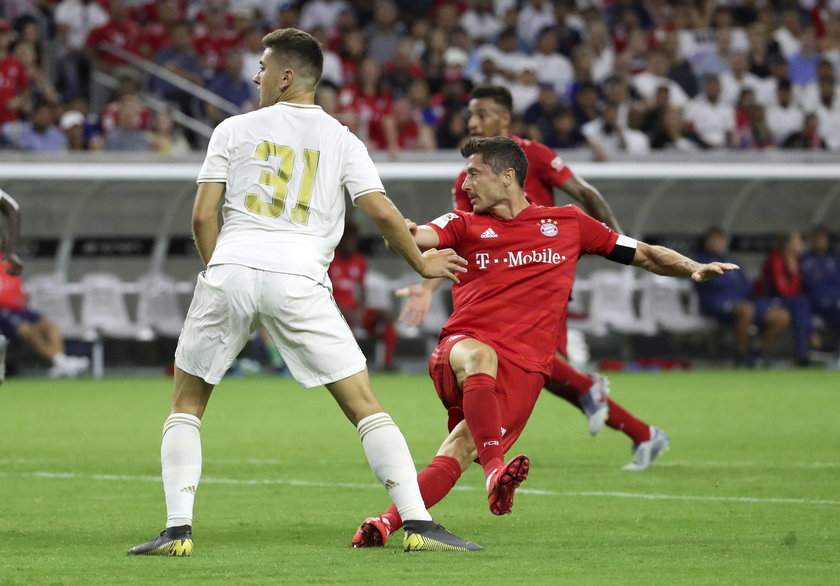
[[300, 315]]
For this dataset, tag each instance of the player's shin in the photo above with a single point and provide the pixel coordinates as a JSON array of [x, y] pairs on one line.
[[481, 410], [180, 457], [390, 460]]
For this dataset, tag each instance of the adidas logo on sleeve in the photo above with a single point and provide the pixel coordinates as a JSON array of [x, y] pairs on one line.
[[489, 233]]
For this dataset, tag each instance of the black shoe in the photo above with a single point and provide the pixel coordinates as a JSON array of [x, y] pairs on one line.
[[172, 541], [429, 536]]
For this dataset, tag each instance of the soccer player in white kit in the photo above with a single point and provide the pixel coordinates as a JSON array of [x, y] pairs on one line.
[[280, 173]]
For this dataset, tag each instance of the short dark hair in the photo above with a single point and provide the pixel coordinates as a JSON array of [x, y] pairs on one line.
[[500, 153], [500, 94], [301, 49]]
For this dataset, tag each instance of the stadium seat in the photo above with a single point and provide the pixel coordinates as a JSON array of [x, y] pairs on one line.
[[158, 307], [105, 315], [611, 303], [49, 294], [672, 305]]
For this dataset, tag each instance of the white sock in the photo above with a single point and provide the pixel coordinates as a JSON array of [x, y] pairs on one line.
[[180, 459], [59, 358], [391, 462]]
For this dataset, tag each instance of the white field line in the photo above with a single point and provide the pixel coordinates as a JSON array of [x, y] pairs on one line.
[[314, 484]]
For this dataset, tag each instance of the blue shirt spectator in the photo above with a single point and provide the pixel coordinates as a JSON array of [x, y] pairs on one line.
[[40, 134], [821, 277]]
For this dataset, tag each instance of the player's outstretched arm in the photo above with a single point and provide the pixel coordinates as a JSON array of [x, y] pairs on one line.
[[11, 211], [419, 301], [205, 218], [664, 261], [591, 200], [391, 224]]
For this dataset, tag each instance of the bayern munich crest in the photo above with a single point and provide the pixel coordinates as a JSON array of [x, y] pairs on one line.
[[548, 228]]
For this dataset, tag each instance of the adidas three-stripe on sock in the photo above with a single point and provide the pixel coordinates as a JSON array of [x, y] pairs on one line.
[[180, 458]]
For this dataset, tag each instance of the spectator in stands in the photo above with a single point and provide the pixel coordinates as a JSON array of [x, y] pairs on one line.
[[347, 273], [404, 67], [352, 53], [585, 105], [252, 53], [14, 83], [715, 62], [129, 85], [165, 137], [606, 137], [759, 53], [803, 64], [751, 129], [41, 334], [540, 115], [332, 71], [534, 16], [653, 116], [509, 56], [654, 77], [39, 134], [784, 117], [728, 300], [712, 120], [821, 277], [525, 87], [229, 85], [365, 106], [807, 137], [179, 58], [600, 46], [787, 34], [157, 31], [781, 278], [120, 32], [828, 113], [480, 22], [671, 135], [413, 134], [320, 13], [41, 88], [128, 135], [74, 20], [739, 78], [287, 14], [385, 32], [451, 130], [552, 67], [214, 37], [73, 125], [566, 134]]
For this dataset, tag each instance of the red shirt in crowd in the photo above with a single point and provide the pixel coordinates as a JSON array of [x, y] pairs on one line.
[[213, 47], [13, 80], [514, 296], [372, 108], [545, 172], [347, 274], [125, 35], [776, 279], [12, 295]]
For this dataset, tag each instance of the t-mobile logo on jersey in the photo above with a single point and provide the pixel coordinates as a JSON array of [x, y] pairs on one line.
[[518, 258]]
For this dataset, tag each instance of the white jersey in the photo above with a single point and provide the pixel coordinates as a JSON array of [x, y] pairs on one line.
[[285, 168]]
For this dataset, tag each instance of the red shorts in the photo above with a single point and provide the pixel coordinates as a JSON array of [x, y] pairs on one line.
[[516, 389]]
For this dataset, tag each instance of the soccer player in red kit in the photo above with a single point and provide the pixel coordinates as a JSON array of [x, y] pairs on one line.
[[490, 113], [495, 353]]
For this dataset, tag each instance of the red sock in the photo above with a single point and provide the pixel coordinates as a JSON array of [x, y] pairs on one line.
[[435, 481], [563, 372], [389, 341], [481, 410], [623, 420]]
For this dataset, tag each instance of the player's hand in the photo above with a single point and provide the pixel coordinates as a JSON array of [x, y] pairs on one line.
[[417, 305], [711, 270], [411, 225], [442, 263], [14, 264]]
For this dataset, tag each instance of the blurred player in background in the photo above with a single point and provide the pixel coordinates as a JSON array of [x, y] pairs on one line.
[[496, 351], [280, 173], [347, 273], [821, 277], [16, 319], [490, 115]]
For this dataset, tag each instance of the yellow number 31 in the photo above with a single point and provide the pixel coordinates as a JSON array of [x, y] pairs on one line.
[[280, 182]]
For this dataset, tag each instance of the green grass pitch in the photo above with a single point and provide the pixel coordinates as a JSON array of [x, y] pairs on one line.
[[748, 493]]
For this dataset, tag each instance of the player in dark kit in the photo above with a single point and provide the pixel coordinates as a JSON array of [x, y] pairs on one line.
[[496, 351], [490, 114]]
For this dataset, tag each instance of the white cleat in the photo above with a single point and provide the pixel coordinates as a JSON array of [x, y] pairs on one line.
[[646, 452]]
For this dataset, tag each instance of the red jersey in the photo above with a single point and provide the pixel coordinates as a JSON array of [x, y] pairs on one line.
[[519, 278], [546, 171], [213, 47], [124, 35], [776, 279], [13, 79], [12, 295], [348, 279]]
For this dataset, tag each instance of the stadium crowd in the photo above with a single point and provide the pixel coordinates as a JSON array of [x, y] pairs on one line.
[[614, 75]]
